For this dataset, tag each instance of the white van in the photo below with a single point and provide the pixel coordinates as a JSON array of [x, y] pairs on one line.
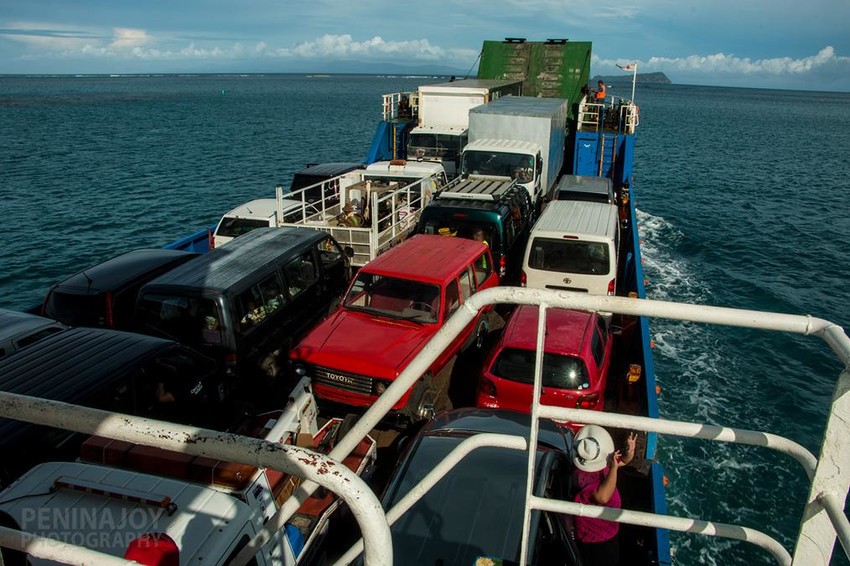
[[573, 247], [258, 213]]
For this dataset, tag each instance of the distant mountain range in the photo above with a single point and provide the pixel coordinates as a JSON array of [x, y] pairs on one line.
[[642, 78]]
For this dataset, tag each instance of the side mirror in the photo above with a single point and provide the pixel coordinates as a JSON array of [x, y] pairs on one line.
[[348, 251]]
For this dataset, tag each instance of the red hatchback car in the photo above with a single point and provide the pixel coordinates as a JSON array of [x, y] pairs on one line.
[[576, 357]]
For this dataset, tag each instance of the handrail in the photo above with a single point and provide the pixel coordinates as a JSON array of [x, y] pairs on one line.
[[814, 538], [313, 466], [822, 521]]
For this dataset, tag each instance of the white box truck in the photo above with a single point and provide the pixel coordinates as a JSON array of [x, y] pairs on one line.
[[518, 137], [443, 117]]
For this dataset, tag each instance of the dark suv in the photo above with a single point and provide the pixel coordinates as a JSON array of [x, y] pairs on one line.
[[105, 295], [110, 370], [499, 209]]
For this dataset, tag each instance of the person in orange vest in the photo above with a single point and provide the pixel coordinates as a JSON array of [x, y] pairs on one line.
[[600, 93]]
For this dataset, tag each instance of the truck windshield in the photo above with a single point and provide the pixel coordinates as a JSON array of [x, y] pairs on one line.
[[440, 146], [512, 165], [394, 297]]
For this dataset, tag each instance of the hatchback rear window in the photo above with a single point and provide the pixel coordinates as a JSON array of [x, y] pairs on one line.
[[78, 309], [562, 372], [569, 256]]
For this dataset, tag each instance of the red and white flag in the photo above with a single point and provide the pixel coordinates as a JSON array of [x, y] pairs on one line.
[[629, 67]]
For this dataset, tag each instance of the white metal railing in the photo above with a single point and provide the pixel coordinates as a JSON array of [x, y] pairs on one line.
[[315, 467], [590, 116], [817, 533], [823, 517], [392, 105]]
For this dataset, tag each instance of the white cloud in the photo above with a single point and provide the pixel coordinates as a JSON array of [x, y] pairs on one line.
[[126, 38], [344, 46], [727, 63]]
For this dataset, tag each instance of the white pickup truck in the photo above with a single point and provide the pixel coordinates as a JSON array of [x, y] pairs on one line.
[[160, 507], [369, 210]]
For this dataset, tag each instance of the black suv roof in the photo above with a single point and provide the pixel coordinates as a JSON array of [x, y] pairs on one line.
[[226, 267], [122, 270], [66, 365]]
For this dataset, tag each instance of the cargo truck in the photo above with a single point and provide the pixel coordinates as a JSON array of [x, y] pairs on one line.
[[442, 117], [517, 137]]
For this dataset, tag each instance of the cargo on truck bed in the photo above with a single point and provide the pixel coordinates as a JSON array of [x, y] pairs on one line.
[[369, 210]]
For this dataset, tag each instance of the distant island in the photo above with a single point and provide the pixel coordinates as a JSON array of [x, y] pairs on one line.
[[642, 79]]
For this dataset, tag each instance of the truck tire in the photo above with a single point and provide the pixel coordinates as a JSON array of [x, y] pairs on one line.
[[420, 407]]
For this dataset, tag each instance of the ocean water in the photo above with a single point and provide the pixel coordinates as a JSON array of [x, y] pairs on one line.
[[740, 194]]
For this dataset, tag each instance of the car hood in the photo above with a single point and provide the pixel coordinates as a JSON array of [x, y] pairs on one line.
[[364, 344]]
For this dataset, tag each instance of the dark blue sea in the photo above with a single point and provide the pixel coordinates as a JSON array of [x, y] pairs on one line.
[[742, 199]]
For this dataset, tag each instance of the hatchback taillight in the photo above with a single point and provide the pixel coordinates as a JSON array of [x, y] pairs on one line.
[[588, 401], [611, 287], [487, 387], [523, 279]]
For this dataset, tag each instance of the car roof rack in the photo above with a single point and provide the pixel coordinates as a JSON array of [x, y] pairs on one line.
[[478, 189]]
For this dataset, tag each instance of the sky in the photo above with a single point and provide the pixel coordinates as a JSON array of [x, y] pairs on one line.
[[787, 44]]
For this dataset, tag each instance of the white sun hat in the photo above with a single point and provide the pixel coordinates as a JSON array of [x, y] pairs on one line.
[[591, 448]]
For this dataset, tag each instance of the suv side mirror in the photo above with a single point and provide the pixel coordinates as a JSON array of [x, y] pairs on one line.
[[348, 251]]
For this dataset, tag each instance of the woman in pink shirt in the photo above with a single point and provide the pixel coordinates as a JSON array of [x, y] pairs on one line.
[[596, 464]]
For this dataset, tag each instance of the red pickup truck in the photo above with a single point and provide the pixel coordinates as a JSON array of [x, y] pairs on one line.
[[395, 304]]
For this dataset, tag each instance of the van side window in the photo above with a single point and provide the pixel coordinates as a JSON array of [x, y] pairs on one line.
[[300, 274], [259, 301], [483, 269], [452, 297], [466, 285]]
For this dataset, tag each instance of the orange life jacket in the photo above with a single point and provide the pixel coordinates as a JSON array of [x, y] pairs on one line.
[[600, 94]]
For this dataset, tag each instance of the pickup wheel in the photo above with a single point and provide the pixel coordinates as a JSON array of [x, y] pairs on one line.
[[420, 407], [346, 425]]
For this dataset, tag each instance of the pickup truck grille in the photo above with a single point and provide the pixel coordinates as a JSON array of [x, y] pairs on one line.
[[343, 380]]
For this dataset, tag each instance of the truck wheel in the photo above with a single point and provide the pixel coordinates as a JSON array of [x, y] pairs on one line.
[[346, 425], [421, 404]]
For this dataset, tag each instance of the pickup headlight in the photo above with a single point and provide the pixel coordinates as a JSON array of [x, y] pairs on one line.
[[299, 369]]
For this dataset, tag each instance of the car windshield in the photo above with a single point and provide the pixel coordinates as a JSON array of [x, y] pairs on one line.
[[467, 513], [562, 372], [394, 297]]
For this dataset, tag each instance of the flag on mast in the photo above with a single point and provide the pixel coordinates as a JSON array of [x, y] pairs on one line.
[[633, 68]]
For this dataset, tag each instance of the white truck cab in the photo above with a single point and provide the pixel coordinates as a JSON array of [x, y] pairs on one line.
[[257, 213]]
